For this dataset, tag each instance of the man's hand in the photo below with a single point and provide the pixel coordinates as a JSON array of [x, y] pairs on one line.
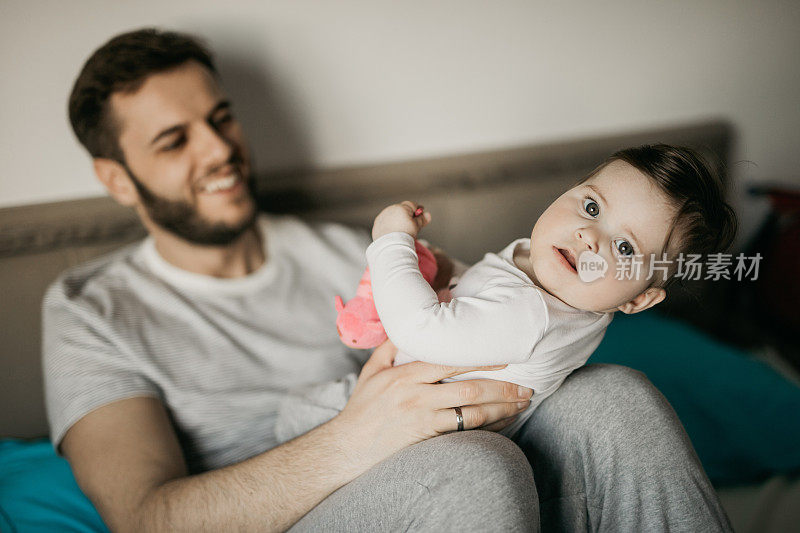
[[394, 407], [399, 217]]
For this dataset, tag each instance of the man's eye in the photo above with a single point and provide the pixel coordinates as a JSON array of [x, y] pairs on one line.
[[223, 119], [591, 207], [623, 247], [177, 143]]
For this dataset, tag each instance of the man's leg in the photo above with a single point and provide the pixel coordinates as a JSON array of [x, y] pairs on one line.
[[609, 454], [464, 481]]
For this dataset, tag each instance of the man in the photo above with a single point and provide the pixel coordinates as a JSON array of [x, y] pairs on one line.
[[165, 361]]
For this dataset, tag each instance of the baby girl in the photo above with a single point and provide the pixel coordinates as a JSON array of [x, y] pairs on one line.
[[530, 306]]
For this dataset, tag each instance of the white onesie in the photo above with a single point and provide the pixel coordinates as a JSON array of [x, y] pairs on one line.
[[497, 316]]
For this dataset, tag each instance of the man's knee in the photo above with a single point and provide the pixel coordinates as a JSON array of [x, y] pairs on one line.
[[598, 395], [610, 408], [477, 456], [463, 481], [619, 385], [479, 475]]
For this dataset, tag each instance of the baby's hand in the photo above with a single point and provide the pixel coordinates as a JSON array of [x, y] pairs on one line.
[[399, 217]]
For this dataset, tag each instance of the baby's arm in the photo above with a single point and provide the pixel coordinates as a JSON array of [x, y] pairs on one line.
[[410, 218], [499, 326]]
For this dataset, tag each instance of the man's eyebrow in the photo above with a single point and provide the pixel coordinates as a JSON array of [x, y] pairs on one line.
[[169, 131], [224, 104], [625, 228]]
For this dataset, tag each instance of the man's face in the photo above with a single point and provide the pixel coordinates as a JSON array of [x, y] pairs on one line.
[[186, 153], [616, 213]]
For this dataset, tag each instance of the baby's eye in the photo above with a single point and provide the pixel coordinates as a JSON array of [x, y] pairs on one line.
[[591, 207], [623, 247]]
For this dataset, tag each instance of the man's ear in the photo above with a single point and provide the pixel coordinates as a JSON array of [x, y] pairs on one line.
[[646, 300], [116, 180]]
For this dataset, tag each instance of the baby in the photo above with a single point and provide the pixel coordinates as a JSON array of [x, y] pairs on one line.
[[531, 306]]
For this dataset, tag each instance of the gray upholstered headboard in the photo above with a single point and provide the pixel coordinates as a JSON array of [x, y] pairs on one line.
[[480, 202]]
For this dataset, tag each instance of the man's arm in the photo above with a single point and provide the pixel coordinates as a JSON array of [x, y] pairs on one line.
[[127, 460]]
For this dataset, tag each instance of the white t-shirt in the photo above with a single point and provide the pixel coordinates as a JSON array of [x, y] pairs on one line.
[[219, 353], [497, 316]]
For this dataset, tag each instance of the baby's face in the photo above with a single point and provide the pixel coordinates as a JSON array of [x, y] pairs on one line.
[[617, 212]]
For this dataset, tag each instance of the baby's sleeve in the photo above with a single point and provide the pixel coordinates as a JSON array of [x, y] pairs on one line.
[[500, 325]]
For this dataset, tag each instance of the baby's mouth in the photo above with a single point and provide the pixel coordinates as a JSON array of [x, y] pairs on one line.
[[567, 254]]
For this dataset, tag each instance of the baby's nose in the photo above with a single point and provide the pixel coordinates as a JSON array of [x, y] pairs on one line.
[[586, 237]]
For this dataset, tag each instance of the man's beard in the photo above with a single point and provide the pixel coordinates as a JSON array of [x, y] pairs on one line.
[[182, 219]]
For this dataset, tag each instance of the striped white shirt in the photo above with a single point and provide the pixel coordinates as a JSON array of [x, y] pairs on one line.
[[219, 353]]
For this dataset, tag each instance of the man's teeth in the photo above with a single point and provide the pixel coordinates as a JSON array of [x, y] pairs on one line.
[[220, 184]]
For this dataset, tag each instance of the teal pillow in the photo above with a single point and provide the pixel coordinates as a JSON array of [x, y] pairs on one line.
[[742, 416], [38, 492]]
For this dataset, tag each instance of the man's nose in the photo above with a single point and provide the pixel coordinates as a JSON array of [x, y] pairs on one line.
[[213, 149], [588, 237]]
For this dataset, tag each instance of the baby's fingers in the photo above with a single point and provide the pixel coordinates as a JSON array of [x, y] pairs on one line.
[[410, 206], [423, 220]]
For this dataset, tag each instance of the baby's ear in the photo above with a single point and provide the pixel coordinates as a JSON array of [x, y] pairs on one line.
[[646, 300]]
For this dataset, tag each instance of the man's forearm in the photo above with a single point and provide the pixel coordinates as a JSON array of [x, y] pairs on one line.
[[268, 492]]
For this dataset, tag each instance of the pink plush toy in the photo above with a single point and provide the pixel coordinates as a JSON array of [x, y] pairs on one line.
[[358, 323]]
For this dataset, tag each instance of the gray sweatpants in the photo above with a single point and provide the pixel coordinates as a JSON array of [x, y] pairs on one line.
[[605, 452]]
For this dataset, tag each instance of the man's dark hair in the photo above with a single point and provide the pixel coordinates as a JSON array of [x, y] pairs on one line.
[[704, 222], [122, 65]]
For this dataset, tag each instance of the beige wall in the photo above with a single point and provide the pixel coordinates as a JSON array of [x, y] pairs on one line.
[[349, 81]]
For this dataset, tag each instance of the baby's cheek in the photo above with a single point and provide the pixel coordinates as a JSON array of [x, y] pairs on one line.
[[625, 290], [599, 295]]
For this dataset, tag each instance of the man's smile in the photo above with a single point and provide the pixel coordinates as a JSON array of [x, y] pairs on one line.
[[224, 184], [230, 180]]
